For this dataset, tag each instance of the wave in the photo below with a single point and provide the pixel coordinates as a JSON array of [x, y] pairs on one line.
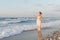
[[12, 30], [11, 21], [50, 24], [15, 21], [19, 20], [16, 29]]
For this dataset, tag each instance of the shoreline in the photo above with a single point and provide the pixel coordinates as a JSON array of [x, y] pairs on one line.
[[26, 35], [29, 35]]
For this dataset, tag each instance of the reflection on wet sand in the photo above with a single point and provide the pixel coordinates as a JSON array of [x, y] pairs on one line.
[[54, 36], [39, 35]]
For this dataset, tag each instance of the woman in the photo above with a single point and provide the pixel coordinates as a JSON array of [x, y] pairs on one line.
[[38, 22]]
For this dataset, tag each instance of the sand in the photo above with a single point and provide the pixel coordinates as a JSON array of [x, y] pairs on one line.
[[30, 35]]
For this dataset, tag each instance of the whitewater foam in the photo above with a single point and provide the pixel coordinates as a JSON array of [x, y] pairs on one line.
[[12, 30], [16, 29], [50, 24]]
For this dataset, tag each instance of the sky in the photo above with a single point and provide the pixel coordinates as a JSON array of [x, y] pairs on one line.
[[22, 8]]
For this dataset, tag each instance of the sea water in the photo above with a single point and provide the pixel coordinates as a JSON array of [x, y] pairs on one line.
[[16, 25]]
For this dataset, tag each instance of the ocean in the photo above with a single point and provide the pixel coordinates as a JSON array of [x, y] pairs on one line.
[[16, 25]]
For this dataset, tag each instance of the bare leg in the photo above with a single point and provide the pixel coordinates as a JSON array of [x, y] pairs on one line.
[[39, 33]]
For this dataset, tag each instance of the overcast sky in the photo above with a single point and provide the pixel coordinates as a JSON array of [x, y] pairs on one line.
[[29, 7]]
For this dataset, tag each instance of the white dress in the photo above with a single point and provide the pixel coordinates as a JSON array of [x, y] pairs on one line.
[[38, 22]]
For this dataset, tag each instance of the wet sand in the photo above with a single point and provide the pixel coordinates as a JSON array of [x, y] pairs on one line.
[[27, 35], [30, 35]]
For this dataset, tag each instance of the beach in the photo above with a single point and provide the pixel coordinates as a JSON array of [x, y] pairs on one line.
[[29, 19], [30, 35]]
